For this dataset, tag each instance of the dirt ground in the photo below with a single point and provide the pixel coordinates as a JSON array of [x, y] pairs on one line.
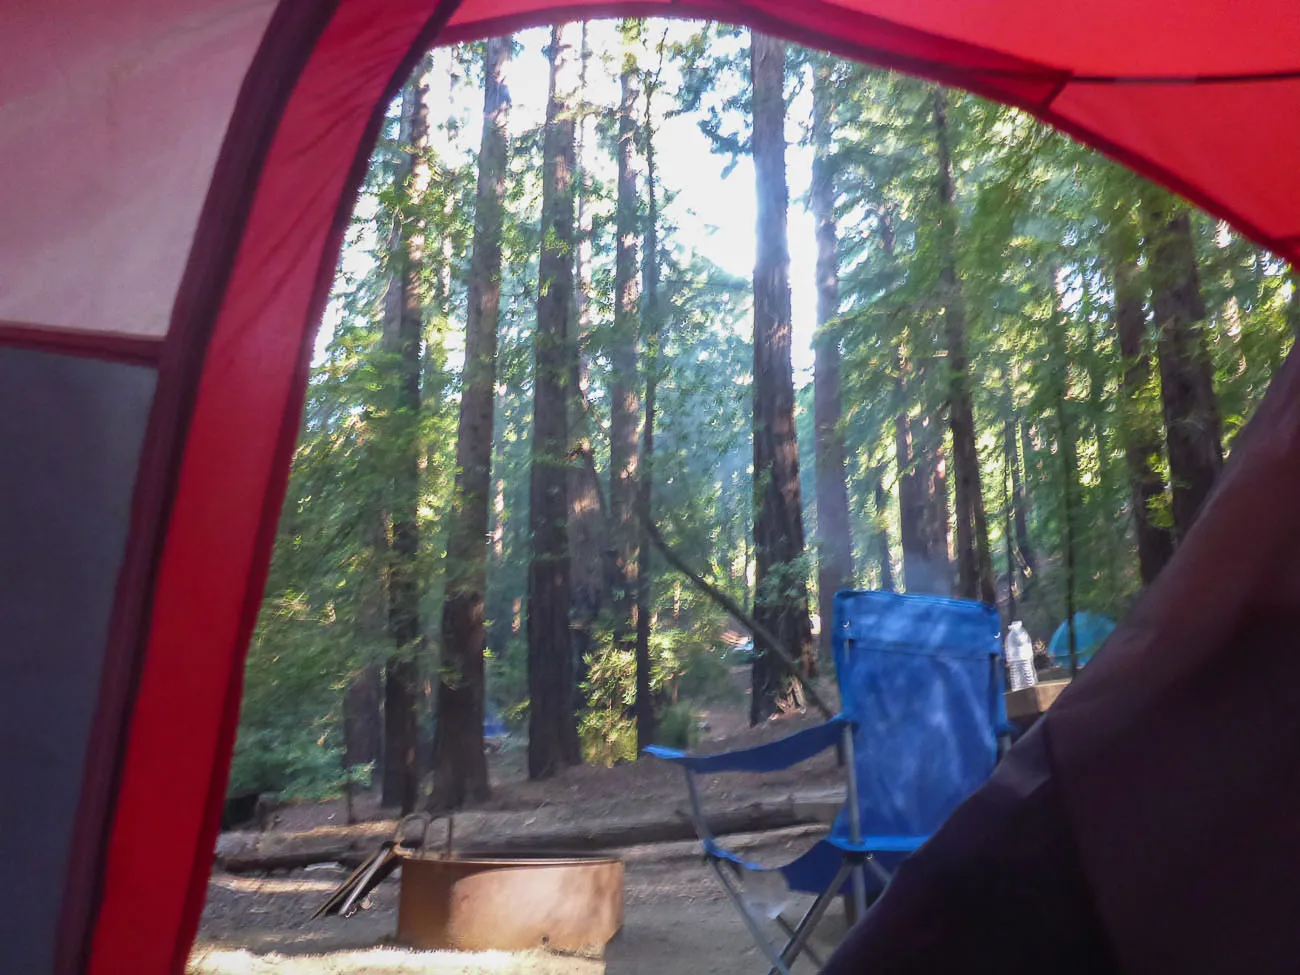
[[676, 916], [676, 920]]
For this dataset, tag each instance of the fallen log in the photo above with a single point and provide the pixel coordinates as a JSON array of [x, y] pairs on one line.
[[755, 817], [254, 861]]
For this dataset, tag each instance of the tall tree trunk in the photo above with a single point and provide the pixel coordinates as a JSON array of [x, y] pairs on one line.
[[1020, 556], [362, 721], [646, 719], [974, 560], [911, 502], [834, 535], [459, 763], [363, 713], [402, 340], [552, 726], [922, 494], [1193, 429], [880, 537], [1069, 495], [1012, 444], [1293, 303], [1061, 357], [781, 601], [499, 620], [922, 479], [1155, 544], [932, 461], [588, 534], [1069, 492], [624, 392], [1008, 506]]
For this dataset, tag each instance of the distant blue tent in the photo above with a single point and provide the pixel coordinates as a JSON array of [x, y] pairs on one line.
[[1090, 632], [493, 726]]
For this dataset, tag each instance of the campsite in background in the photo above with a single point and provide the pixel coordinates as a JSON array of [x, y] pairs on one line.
[[428, 456], [1011, 372], [649, 337]]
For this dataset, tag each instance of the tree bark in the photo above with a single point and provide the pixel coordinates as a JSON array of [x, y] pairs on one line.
[[646, 718], [1060, 358], [588, 528], [1155, 544], [363, 713], [1193, 429], [1019, 500], [362, 721], [1008, 507], [834, 535], [402, 341], [459, 762], [552, 726], [1069, 503], [880, 538], [911, 502], [974, 560], [1293, 303], [932, 461], [624, 398], [781, 600], [922, 480], [922, 495]]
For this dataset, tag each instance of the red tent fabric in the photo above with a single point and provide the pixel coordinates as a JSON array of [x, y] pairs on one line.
[[177, 177]]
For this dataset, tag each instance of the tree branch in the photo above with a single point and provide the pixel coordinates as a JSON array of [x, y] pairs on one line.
[[773, 645]]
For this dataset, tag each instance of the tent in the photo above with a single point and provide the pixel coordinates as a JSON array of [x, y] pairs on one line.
[[175, 178], [1090, 632]]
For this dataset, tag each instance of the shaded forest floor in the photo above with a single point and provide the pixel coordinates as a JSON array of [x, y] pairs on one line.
[[676, 917]]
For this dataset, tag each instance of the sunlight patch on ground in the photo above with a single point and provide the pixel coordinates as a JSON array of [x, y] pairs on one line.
[[389, 961], [272, 885]]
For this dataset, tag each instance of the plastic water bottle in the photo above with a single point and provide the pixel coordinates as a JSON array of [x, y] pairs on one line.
[[1020, 657]]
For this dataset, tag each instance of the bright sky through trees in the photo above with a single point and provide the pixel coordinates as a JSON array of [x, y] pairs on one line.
[[714, 214]]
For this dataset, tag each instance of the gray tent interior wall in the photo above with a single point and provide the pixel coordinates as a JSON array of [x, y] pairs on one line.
[[72, 430]]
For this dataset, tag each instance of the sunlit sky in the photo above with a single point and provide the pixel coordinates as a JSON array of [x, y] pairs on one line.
[[714, 214]]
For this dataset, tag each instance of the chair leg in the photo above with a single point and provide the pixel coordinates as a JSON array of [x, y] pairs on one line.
[[790, 929], [779, 965], [851, 915], [799, 939], [859, 895]]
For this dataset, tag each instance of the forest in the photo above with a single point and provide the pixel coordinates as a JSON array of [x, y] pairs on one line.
[[973, 358]]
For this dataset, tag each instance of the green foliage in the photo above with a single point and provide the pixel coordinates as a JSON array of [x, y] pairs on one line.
[[678, 727], [605, 726], [1041, 225]]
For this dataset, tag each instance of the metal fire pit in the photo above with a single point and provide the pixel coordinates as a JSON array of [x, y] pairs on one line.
[[478, 900]]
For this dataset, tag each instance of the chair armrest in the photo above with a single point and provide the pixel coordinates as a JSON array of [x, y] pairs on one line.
[[779, 754]]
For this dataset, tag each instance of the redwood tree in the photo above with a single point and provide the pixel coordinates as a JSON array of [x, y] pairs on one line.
[[1155, 545], [363, 736], [834, 536], [1193, 429], [588, 530], [651, 325], [974, 560], [1012, 441], [781, 590], [402, 341], [459, 764], [552, 726], [624, 397]]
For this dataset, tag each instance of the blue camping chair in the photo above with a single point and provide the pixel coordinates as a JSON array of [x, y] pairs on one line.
[[921, 684]]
